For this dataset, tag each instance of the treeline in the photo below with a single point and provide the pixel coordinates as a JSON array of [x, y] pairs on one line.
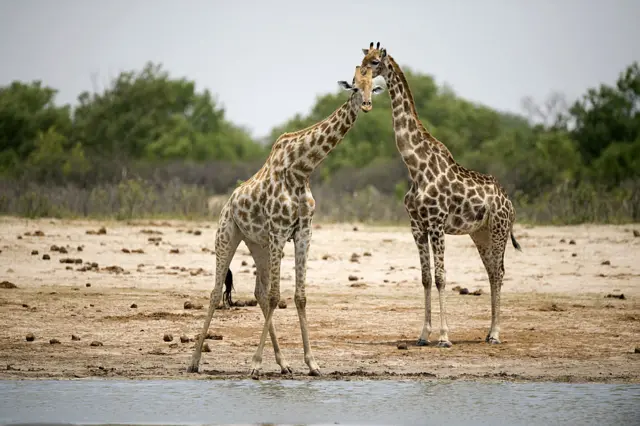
[[150, 144]]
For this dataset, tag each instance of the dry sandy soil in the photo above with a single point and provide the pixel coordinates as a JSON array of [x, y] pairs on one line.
[[557, 323]]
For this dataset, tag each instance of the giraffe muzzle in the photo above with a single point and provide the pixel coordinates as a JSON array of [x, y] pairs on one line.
[[366, 106]]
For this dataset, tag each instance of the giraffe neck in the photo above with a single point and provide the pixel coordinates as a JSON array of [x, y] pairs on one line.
[[416, 144], [304, 150]]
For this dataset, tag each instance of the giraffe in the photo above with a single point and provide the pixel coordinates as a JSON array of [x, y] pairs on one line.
[[274, 206], [444, 198]]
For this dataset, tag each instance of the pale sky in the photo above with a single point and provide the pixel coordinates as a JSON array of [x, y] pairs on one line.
[[267, 60]]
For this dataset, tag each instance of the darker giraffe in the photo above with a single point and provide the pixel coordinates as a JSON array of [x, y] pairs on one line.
[[444, 198], [274, 206]]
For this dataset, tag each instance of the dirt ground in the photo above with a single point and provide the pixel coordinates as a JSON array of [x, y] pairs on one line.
[[557, 323]]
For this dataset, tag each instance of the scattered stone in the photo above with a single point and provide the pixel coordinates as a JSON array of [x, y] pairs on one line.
[[87, 285], [572, 242], [46, 257], [402, 346], [114, 269], [282, 304], [195, 272], [80, 248], [637, 351], [54, 342], [137, 251], [75, 338], [244, 263], [150, 231], [154, 240], [126, 250], [212, 336], [355, 228], [174, 251], [30, 337], [206, 348], [367, 254], [615, 296], [358, 285], [54, 248], [173, 345], [574, 254], [69, 268], [456, 288], [19, 237], [240, 303], [355, 257], [252, 302], [134, 306], [326, 257], [70, 260], [34, 252], [606, 262], [190, 305], [24, 305], [636, 233], [563, 240], [353, 278], [478, 292], [167, 337], [184, 339], [197, 232], [464, 291], [7, 284]]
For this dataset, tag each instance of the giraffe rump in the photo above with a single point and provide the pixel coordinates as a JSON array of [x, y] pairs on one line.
[[228, 286]]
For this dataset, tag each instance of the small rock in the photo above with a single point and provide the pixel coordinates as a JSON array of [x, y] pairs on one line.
[[167, 337], [63, 250], [34, 252], [563, 240], [80, 248], [96, 343], [252, 302], [572, 242], [24, 305], [637, 350], [615, 296], [606, 262], [137, 251], [46, 257], [133, 306], [355, 228], [19, 237], [353, 278], [636, 233], [464, 291], [87, 285], [478, 292], [367, 254], [456, 288], [574, 254], [326, 257], [206, 348], [184, 339], [240, 303], [188, 305], [243, 263], [75, 338], [402, 346], [174, 251], [7, 284], [197, 232], [212, 336], [126, 250], [282, 304], [30, 337], [54, 342], [38, 234], [355, 258]]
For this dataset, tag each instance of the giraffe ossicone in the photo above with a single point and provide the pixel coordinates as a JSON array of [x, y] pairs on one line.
[[444, 198], [274, 206]]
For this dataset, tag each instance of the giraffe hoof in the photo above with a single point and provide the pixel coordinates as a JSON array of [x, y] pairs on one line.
[[444, 344], [192, 369], [422, 342], [493, 341], [315, 372], [255, 374], [286, 371]]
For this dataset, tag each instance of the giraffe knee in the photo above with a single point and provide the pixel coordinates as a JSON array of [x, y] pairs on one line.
[[301, 301], [273, 300]]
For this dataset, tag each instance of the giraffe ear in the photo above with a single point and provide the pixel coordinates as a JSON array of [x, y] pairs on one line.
[[383, 53], [345, 85]]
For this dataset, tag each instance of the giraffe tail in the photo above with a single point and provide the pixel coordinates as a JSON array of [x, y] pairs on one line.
[[514, 242], [228, 286]]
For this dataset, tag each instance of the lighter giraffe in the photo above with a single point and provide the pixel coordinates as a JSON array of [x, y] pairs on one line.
[[444, 198], [274, 206]]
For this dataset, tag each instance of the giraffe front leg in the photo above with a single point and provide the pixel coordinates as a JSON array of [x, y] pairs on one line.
[[436, 234], [422, 242], [276, 246], [496, 273], [302, 241]]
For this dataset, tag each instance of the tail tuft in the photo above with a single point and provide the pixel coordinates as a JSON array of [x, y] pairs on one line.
[[228, 286], [515, 243]]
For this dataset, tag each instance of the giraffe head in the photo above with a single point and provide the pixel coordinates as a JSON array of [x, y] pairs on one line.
[[376, 58], [362, 87]]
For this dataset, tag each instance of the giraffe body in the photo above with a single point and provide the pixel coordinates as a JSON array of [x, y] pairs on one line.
[[274, 206], [444, 198]]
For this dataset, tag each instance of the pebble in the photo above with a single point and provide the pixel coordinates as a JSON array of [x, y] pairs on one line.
[[167, 337], [30, 337]]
